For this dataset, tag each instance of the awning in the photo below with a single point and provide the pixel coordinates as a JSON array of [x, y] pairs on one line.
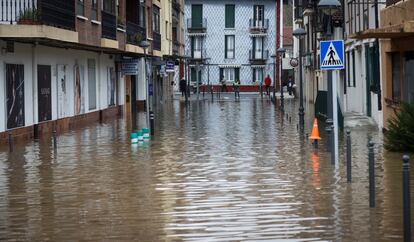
[[389, 32], [258, 66], [229, 66], [196, 34], [258, 35]]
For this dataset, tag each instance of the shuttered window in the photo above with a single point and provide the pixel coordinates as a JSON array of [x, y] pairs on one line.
[[230, 16], [229, 46]]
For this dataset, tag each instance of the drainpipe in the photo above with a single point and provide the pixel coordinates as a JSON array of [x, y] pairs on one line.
[[278, 37], [377, 60]]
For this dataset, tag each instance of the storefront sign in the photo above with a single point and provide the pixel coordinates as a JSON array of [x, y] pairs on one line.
[[169, 66], [130, 67]]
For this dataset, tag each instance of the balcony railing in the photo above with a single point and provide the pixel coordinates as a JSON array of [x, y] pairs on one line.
[[135, 33], [392, 2], [259, 25], [197, 25], [55, 13], [108, 25], [258, 56], [198, 54], [156, 43]]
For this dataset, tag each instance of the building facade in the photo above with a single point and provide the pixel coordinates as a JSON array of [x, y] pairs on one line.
[[63, 62], [230, 39]]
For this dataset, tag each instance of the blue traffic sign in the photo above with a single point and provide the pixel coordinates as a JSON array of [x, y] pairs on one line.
[[332, 55]]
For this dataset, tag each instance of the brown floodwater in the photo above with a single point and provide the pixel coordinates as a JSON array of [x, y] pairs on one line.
[[216, 171]]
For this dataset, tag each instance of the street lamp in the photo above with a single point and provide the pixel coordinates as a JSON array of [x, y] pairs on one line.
[[145, 44], [300, 34], [330, 7], [281, 51]]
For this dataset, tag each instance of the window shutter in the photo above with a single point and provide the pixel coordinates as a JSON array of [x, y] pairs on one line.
[[229, 16], [221, 74], [225, 46], [237, 74], [192, 47], [254, 48]]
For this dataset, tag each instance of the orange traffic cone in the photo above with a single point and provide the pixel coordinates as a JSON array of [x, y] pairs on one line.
[[315, 131]]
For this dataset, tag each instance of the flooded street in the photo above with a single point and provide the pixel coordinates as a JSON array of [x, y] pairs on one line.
[[216, 171]]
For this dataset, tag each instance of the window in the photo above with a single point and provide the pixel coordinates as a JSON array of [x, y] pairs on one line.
[[258, 15], [109, 6], [396, 77], [92, 84], [353, 69], [230, 16], [80, 8], [196, 47], [408, 83], [94, 10], [258, 75], [348, 69], [141, 16], [156, 21], [229, 47], [229, 74], [257, 47], [197, 16]]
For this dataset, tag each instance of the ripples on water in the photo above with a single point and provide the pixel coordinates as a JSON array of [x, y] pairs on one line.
[[223, 171]]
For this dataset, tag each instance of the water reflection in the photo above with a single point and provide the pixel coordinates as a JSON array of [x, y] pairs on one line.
[[222, 171]]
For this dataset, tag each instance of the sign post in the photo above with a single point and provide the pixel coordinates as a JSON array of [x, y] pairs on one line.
[[332, 58]]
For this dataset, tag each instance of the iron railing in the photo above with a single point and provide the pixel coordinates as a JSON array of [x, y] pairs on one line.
[[256, 24], [135, 33], [392, 2], [55, 13], [253, 55], [196, 24]]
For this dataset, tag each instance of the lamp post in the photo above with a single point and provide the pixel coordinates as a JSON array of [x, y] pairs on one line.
[[145, 44], [300, 34], [274, 76], [330, 7], [281, 51]]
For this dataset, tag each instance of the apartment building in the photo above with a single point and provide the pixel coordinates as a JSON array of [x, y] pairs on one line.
[[231, 39], [65, 63]]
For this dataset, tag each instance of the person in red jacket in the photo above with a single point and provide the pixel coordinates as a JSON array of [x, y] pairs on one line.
[[268, 82]]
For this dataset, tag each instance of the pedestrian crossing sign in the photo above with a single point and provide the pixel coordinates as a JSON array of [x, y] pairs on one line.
[[332, 55]]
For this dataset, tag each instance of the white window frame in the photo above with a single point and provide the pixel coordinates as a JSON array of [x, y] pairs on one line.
[[230, 39], [258, 77], [259, 12], [258, 47], [198, 43], [229, 74]]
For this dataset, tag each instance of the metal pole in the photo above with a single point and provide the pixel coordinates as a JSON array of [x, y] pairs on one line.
[[152, 123], [301, 109], [282, 101], [335, 121], [146, 86], [274, 81], [10, 143], [328, 130], [54, 140], [198, 85], [186, 79], [371, 174], [406, 199], [348, 157]]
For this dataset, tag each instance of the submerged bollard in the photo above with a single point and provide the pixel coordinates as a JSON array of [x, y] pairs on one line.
[[152, 124], [146, 134], [371, 166], [406, 198], [348, 157], [328, 130], [134, 138], [54, 140], [10, 142]]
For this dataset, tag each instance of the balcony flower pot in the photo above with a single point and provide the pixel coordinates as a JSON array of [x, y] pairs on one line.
[[28, 17]]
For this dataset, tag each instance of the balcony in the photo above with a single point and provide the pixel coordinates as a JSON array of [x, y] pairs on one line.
[[198, 56], [135, 33], [108, 25], [56, 13], [197, 25], [258, 26], [156, 43], [176, 4], [258, 57]]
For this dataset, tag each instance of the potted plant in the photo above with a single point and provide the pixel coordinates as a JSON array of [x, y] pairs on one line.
[[29, 16], [120, 22]]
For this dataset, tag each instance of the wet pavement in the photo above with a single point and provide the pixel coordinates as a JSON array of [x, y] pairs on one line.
[[216, 171]]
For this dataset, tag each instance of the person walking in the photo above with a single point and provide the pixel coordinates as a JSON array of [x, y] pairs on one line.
[[223, 84], [236, 88], [183, 87], [290, 85], [268, 82]]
